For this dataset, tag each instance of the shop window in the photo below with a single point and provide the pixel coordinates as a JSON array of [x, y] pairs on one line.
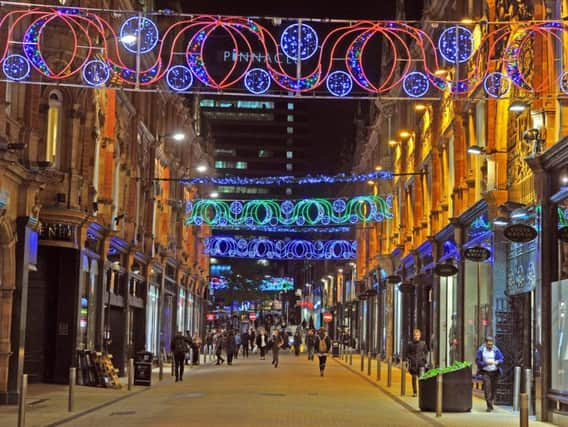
[[289, 154], [53, 136], [289, 167], [290, 130], [241, 165]]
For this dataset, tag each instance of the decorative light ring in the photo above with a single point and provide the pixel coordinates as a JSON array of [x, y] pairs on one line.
[[456, 44], [16, 67], [284, 229], [179, 78], [416, 84], [257, 81], [96, 73], [293, 84], [139, 34], [339, 83], [496, 84], [299, 40], [564, 82], [292, 249]]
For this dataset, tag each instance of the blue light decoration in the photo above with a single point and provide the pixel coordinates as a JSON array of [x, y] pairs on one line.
[[269, 212], [564, 82], [299, 40], [217, 269], [294, 249], [179, 78], [16, 67], [96, 73], [218, 282], [416, 84], [456, 44], [284, 229], [137, 33], [341, 178], [339, 83], [496, 84], [277, 284], [479, 226], [353, 60], [257, 81]]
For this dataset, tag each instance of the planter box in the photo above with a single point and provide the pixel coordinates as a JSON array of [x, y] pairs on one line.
[[457, 392]]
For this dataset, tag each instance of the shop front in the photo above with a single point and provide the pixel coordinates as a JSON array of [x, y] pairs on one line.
[[152, 309]]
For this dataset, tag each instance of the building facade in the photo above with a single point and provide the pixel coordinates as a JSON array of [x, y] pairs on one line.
[[94, 254]]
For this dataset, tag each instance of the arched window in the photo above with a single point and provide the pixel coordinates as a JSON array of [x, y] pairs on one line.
[[53, 137]]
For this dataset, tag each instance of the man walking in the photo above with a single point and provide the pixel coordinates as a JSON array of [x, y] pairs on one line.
[[262, 342], [276, 344], [311, 344], [179, 347], [489, 360], [416, 355], [323, 344], [245, 343]]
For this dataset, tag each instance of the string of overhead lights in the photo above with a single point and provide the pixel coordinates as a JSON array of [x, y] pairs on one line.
[[270, 212], [265, 61], [262, 248], [285, 229]]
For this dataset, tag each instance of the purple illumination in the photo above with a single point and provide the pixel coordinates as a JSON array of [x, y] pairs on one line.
[[179, 78], [416, 84]]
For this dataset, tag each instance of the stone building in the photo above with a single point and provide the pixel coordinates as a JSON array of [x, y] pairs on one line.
[[93, 249]]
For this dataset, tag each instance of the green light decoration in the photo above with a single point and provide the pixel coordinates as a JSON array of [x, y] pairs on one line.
[[305, 212]]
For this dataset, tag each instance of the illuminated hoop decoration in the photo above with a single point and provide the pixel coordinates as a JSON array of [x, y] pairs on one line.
[[16, 67], [341, 178], [179, 78], [416, 84], [257, 81], [286, 229], [293, 249], [306, 212], [299, 40], [496, 84], [339, 83], [335, 59], [564, 82], [96, 73]]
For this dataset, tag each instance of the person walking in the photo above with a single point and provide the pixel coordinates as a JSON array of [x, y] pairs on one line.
[[276, 344], [230, 346], [252, 339], [196, 340], [179, 347], [489, 360], [322, 345], [219, 344], [237, 344], [297, 342], [416, 356], [210, 341], [245, 343], [262, 343], [311, 344]]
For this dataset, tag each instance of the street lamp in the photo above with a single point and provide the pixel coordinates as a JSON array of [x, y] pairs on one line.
[[201, 168], [477, 150]]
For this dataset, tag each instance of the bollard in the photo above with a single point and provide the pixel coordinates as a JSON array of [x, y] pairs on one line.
[[130, 373], [516, 388], [528, 389], [72, 381], [362, 361], [439, 394], [389, 372], [351, 357], [378, 368], [524, 410], [403, 378], [173, 370], [22, 401], [161, 371], [421, 371], [204, 356], [369, 360]]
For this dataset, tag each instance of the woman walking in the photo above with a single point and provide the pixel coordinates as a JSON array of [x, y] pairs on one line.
[[416, 354], [276, 344]]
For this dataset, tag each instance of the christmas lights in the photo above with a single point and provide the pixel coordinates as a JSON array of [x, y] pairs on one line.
[[341, 178], [105, 45], [303, 212], [294, 249], [286, 229]]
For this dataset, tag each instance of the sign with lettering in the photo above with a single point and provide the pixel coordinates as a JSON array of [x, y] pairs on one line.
[[252, 316], [445, 269], [520, 233], [477, 254], [57, 232]]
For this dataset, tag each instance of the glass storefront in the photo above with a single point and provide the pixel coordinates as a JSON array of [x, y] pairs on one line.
[[88, 302], [449, 331], [190, 313], [152, 319], [397, 324], [181, 311]]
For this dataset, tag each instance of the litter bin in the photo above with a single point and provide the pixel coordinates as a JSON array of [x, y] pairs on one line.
[[143, 368], [335, 348]]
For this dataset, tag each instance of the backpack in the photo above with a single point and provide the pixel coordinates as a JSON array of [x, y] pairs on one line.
[[180, 345], [322, 346]]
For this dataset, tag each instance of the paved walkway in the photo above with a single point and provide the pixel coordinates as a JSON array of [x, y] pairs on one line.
[[251, 393]]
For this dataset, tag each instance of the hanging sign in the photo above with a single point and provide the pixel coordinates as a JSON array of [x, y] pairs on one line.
[[395, 278], [252, 316], [210, 317], [563, 234], [327, 317], [520, 233], [445, 269], [477, 254]]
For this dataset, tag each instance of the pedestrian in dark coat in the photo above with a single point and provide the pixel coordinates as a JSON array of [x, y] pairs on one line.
[[179, 347], [219, 346], [262, 343], [245, 343], [297, 342], [323, 344], [311, 343], [230, 347], [417, 356], [276, 344]]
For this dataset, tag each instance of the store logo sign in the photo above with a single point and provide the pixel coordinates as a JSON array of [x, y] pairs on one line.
[[520, 233], [477, 254]]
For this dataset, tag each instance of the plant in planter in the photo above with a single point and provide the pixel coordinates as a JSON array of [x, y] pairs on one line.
[[456, 389]]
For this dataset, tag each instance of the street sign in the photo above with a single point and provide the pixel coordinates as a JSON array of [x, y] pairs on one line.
[[210, 317], [327, 317], [445, 269], [520, 233], [477, 254], [252, 316], [395, 278]]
